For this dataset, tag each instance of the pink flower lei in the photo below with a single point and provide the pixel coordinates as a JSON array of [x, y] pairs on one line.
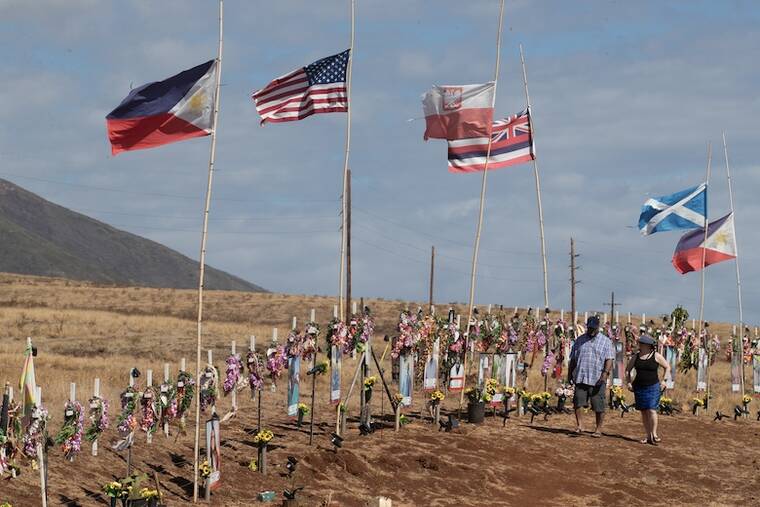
[[255, 375], [35, 432], [148, 412], [337, 335], [408, 334], [232, 373], [70, 436], [277, 360]]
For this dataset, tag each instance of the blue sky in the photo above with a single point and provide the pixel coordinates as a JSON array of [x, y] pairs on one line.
[[625, 97]]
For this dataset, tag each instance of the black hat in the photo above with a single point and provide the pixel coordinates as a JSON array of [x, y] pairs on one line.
[[593, 322]]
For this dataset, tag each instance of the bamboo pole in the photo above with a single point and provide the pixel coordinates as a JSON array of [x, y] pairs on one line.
[[537, 180], [202, 260], [482, 206], [706, 341], [738, 278], [344, 210], [41, 458], [233, 350]]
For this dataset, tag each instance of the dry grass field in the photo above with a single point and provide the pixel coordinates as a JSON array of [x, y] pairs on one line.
[[83, 331]]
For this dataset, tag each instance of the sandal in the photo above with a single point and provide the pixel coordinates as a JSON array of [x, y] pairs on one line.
[[596, 434], [657, 439], [644, 441]]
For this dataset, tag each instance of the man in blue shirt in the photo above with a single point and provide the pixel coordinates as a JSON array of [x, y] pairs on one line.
[[591, 360]]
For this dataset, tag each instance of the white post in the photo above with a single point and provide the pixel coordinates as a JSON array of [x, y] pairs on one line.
[[353, 307], [72, 392], [40, 454], [233, 347], [96, 395], [335, 311], [489, 308], [252, 345], [585, 318], [295, 321], [562, 314], [166, 381], [629, 317], [202, 259], [183, 367], [644, 319], [149, 383], [617, 316], [605, 318], [313, 316], [459, 321]]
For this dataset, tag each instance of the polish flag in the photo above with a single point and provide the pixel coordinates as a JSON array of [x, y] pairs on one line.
[[458, 112], [720, 246], [175, 109]]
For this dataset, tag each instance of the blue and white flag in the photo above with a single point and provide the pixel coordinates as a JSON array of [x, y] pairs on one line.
[[683, 210]]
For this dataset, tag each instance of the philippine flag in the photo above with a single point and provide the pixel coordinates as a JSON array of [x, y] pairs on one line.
[[177, 108], [720, 246]]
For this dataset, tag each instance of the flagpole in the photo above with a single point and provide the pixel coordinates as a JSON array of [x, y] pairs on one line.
[[202, 262], [344, 205], [706, 342], [538, 182], [736, 251], [482, 205]]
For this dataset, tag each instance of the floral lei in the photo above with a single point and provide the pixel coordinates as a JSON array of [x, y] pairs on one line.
[[277, 359], [35, 432], [70, 435], [337, 335], [310, 336], [185, 392], [233, 373], [408, 329], [149, 414], [98, 418], [167, 403], [208, 387], [255, 375], [126, 423]]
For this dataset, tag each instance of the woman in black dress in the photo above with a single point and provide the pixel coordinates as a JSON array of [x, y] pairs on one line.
[[646, 384]]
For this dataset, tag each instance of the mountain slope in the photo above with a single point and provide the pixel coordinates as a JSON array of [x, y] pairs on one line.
[[42, 238]]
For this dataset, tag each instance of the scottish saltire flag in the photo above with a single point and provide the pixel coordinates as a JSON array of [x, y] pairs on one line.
[[511, 144], [320, 87], [177, 108], [458, 112], [686, 209], [720, 246]]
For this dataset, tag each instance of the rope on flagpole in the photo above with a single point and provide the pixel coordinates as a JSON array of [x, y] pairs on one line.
[[740, 338], [538, 181], [344, 209], [482, 205], [202, 262], [706, 341]]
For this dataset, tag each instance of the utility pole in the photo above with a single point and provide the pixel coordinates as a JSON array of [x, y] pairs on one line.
[[573, 281], [612, 304], [432, 276], [348, 247]]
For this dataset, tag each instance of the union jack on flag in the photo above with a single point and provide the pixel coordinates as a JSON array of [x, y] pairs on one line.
[[320, 87], [511, 144]]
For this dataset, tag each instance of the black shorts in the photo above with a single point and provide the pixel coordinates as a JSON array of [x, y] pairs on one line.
[[585, 393]]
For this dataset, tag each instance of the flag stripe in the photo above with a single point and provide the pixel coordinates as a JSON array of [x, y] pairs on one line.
[[512, 144], [319, 87]]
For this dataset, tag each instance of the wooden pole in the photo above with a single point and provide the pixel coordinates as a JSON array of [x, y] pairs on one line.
[[233, 349], [705, 342], [348, 247], [537, 180], [482, 206], [740, 337], [202, 260], [344, 213], [432, 277]]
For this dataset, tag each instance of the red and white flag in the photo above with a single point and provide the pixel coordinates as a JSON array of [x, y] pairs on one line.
[[320, 87], [458, 112]]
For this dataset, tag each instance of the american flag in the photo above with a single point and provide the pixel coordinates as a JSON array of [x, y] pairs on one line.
[[511, 144], [319, 87]]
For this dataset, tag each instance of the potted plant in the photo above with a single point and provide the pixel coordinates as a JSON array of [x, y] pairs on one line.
[[476, 404]]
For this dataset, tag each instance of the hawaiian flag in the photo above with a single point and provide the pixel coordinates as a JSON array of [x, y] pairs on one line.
[[175, 109], [320, 87], [458, 112], [511, 144], [720, 246]]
